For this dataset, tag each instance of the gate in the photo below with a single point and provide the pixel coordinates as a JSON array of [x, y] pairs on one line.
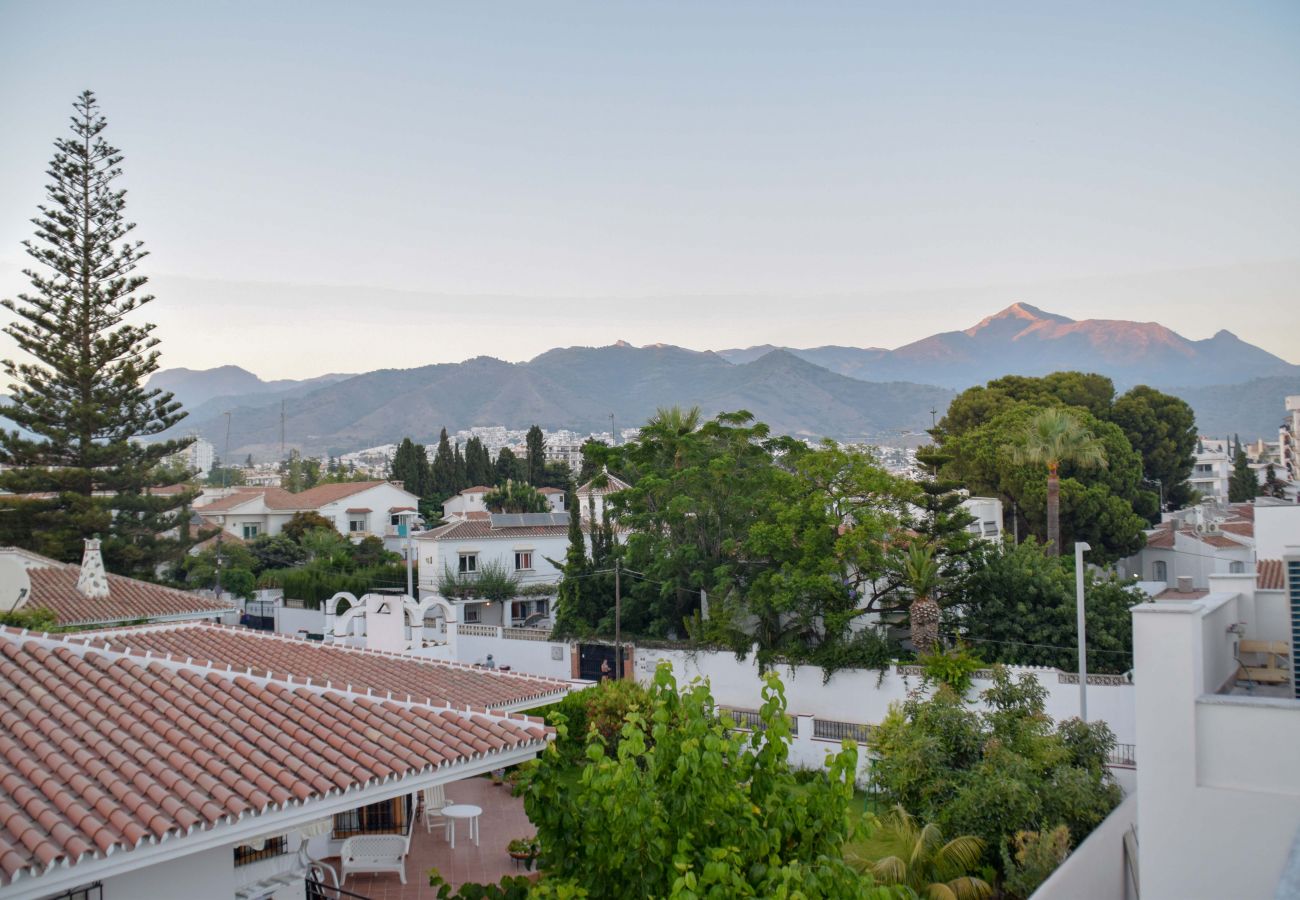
[[590, 656]]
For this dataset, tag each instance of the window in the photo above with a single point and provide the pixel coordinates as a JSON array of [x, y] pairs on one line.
[[1236, 568], [519, 610], [356, 525], [542, 606], [523, 560], [468, 563], [251, 530], [276, 846], [1159, 571], [385, 817], [394, 519], [471, 615]]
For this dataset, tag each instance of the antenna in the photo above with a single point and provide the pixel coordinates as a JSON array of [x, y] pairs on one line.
[[282, 429]]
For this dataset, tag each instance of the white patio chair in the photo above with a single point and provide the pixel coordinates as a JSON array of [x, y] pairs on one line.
[[435, 800]]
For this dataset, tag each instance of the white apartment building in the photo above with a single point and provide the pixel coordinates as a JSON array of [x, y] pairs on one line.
[[199, 456], [1287, 435], [1212, 469], [470, 503]]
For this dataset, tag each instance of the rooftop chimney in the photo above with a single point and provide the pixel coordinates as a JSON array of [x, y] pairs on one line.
[[92, 582], [1184, 584]]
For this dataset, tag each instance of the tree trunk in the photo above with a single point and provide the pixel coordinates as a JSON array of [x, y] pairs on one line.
[[1053, 512], [924, 616]]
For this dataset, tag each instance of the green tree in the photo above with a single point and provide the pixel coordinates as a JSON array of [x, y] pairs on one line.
[[1243, 485], [574, 615], [275, 551], [536, 459], [225, 476], [943, 522], [478, 464], [688, 807], [302, 522], [899, 850], [411, 467], [443, 477], [1273, 486], [991, 774], [509, 467], [80, 397], [1162, 429], [516, 497], [1056, 436], [1017, 605]]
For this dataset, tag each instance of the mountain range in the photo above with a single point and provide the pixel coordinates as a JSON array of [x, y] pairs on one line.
[[847, 393], [1025, 340]]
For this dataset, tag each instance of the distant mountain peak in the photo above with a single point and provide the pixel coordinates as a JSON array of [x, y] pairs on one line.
[[1017, 317], [622, 344]]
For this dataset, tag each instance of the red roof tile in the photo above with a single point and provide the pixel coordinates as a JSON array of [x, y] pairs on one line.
[[420, 678], [54, 587], [1245, 529], [280, 499], [1221, 541], [1162, 538], [1270, 575], [478, 527], [101, 752]]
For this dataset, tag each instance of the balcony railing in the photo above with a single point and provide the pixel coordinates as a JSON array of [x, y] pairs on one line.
[[830, 730], [1124, 756]]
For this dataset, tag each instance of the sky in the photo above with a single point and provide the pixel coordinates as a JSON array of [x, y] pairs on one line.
[[344, 187]]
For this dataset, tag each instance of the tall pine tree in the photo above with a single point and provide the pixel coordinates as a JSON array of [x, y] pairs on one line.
[[81, 396]]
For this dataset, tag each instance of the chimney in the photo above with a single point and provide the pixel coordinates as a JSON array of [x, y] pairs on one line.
[[92, 582], [1185, 584]]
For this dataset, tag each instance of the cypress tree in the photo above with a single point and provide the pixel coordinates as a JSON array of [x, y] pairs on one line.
[[411, 466], [1243, 486], [478, 464], [443, 472], [572, 617], [508, 467], [81, 396], [536, 443], [462, 476]]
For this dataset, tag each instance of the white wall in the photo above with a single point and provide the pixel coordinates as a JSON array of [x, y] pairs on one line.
[[378, 499], [1219, 780], [1096, 869], [529, 657], [437, 555], [209, 875], [863, 696], [1276, 529]]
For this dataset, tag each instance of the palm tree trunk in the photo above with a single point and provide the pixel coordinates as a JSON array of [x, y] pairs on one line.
[[1053, 512]]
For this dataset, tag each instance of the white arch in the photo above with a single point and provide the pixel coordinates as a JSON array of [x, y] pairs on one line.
[[334, 622]]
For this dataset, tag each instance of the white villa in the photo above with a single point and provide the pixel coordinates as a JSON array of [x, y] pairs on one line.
[[518, 544], [470, 502], [357, 509]]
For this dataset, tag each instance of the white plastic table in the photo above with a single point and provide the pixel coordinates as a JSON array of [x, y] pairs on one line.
[[462, 811]]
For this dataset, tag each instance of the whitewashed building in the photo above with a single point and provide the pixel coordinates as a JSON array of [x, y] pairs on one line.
[[357, 509], [524, 546]]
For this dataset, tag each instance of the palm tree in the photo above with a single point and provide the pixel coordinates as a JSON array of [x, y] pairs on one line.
[[921, 573], [898, 850], [670, 424], [1055, 436]]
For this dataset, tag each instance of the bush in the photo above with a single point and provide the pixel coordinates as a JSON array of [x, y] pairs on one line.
[[953, 668], [314, 585], [1036, 856]]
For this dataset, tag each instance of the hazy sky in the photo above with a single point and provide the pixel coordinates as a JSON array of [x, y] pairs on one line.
[[340, 187]]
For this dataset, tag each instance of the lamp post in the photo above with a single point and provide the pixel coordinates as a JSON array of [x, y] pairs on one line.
[[1079, 548]]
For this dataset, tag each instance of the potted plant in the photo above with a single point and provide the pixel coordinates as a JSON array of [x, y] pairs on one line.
[[524, 850], [498, 775]]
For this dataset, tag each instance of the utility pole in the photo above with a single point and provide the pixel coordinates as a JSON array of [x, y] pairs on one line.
[[282, 430], [1079, 547], [613, 436], [618, 617]]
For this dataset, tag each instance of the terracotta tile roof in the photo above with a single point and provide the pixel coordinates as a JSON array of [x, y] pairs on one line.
[[359, 509], [280, 499], [102, 753], [1244, 510], [1270, 575], [1162, 538], [550, 490], [1245, 529], [212, 542], [1222, 541], [54, 587], [443, 682], [615, 484], [477, 489], [393, 509], [476, 527]]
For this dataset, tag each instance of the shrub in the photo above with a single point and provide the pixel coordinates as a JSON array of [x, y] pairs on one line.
[[1036, 856], [954, 668]]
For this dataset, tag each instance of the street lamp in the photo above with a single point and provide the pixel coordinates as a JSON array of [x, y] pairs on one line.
[[1079, 548]]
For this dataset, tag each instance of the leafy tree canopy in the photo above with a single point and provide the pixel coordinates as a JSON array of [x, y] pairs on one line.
[[996, 773], [1017, 606], [689, 808]]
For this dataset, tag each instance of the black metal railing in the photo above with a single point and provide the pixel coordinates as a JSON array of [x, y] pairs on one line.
[[317, 890], [831, 730], [89, 892], [272, 848], [1124, 755]]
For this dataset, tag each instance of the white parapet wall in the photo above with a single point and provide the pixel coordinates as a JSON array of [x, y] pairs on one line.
[[863, 696], [1099, 868]]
